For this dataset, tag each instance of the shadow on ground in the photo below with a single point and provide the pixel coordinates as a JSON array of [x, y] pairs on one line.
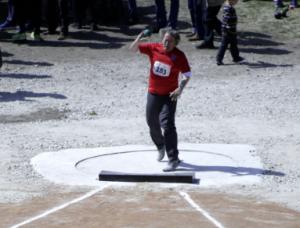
[[29, 63], [40, 115], [23, 76], [25, 95], [238, 171]]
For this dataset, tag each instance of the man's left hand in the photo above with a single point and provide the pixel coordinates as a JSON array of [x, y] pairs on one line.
[[175, 94]]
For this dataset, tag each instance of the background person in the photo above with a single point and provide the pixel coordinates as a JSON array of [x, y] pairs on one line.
[[229, 33], [161, 15], [211, 23]]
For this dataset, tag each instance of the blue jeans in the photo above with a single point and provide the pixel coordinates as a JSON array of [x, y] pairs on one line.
[[192, 12], [279, 3], [10, 14], [200, 9], [161, 17], [211, 23]]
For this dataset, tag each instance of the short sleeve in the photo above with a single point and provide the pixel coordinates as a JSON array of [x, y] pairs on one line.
[[145, 48], [184, 64]]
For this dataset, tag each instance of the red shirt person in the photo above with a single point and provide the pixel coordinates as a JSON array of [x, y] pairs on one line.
[[167, 64]]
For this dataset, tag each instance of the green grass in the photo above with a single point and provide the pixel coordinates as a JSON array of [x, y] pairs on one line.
[[258, 16]]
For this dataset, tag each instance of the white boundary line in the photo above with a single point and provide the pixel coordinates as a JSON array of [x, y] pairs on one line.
[[55, 209], [203, 212]]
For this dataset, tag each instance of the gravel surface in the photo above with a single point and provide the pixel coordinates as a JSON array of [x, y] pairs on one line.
[[89, 91]]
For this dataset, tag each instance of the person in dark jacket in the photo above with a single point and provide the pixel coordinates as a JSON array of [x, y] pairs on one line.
[[211, 23], [229, 33]]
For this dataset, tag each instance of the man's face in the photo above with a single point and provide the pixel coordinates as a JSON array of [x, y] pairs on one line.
[[168, 42]]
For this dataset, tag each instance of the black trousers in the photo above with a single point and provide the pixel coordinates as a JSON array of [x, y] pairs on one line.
[[160, 114], [28, 11], [58, 13], [211, 23], [81, 6], [228, 39]]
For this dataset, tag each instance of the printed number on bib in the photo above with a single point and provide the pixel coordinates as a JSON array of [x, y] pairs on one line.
[[161, 69]]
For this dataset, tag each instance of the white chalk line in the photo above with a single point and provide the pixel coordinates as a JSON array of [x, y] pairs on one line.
[[198, 208], [55, 209]]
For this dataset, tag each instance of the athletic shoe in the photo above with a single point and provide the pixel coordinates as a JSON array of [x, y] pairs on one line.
[[239, 60], [172, 166], [205, 45], [19, 37], [161, 153], [194, 38], [220, 63], [62, 36], [191, 34], [36, 37]]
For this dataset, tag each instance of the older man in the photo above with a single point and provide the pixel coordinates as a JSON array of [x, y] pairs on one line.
[[167, 62]]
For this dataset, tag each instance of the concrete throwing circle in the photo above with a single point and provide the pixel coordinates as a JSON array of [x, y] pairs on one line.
[[213, 164]]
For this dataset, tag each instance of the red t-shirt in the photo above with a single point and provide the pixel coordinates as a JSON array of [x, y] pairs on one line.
[[165, 67]]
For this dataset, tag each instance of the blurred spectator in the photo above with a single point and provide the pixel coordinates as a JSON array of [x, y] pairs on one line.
[[80, 8], [0, 58], [29, 11], [293, 3], [192, 14], [133, 17], [161, 17], [211, 23], [58, 13], [197, 11], [10, 15]]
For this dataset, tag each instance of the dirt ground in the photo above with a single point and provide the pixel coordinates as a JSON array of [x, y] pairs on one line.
[[89, 91], [139, 207]]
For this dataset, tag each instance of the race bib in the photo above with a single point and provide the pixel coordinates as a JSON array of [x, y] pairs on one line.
[[161, 69]]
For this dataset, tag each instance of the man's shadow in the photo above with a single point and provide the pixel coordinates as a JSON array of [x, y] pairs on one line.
[[236, 171]]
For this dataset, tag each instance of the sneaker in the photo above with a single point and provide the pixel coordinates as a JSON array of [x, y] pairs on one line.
[[194, 38], [36, 37], [62, 36], [161, 153], [76, 25], [238, 60], [172, 165], [220, 63], [191, 34], [205, 45], [19, 37]]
